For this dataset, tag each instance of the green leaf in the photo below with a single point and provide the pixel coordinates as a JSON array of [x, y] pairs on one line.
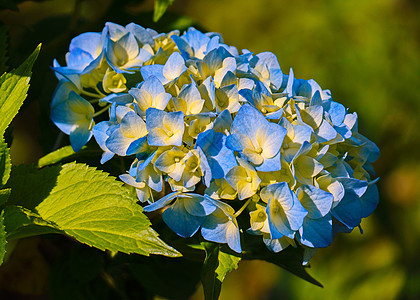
[[5, 164], [56, 156], [3, 241], [97, 210], [4, 196], [3, 49], [13, 88], [21, 222], [30, 185], [160, 8], [216, 265], [67, 153]]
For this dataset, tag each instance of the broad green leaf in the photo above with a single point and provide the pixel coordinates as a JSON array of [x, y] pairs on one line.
[[13, 88], [5, 164], [160, 8], [216, 265], [66, 153], [30, 185], [56, 156], [4, 196], [97, 210], [3, 49], [3, 241], [21, 222]]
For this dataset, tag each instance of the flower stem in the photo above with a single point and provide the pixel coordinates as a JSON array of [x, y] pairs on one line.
[[99, 92], [93, 95], [101, 111], [242, 208]]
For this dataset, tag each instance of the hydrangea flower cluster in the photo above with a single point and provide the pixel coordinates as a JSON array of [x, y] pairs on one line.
[[218, 127]]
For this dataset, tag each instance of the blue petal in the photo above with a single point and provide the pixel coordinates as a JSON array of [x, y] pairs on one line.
[[349, 210], [136, 145], [247, 121], [162, 202], [120, 99], [88, 41], [183, 46], [336, 111], [79, 137], [153, 70], [198, 205], [153, 86], [205, 167], [214, 229], [316, 232], [369, 200], [276, 245], [180, 221], [78, 59], [270, 164], [99, 132], [316, 201], [354, 185], [221, 159]]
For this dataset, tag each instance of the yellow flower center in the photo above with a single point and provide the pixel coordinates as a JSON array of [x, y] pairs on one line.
[[170, 133], [249, 179], [263, 110], [177, 159], [259, 150]]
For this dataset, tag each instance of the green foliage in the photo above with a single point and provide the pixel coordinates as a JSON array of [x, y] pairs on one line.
[[30, 186], [160, 7], [216, 265], [21, 222], [66, 154], [5, 164], [56, 156], [4, 196], [169, 278], [95, 209], [13, 88]]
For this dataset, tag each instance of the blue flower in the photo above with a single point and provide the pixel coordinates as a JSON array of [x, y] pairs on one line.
[[128, 136], [168, 73], [186, 214], [73, 115], [257, 139], [316, 230], [221, 226], [284, 211], [165, 129], [150, 93]]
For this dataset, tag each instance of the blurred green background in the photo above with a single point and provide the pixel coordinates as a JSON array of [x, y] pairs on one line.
[[366, 52]]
